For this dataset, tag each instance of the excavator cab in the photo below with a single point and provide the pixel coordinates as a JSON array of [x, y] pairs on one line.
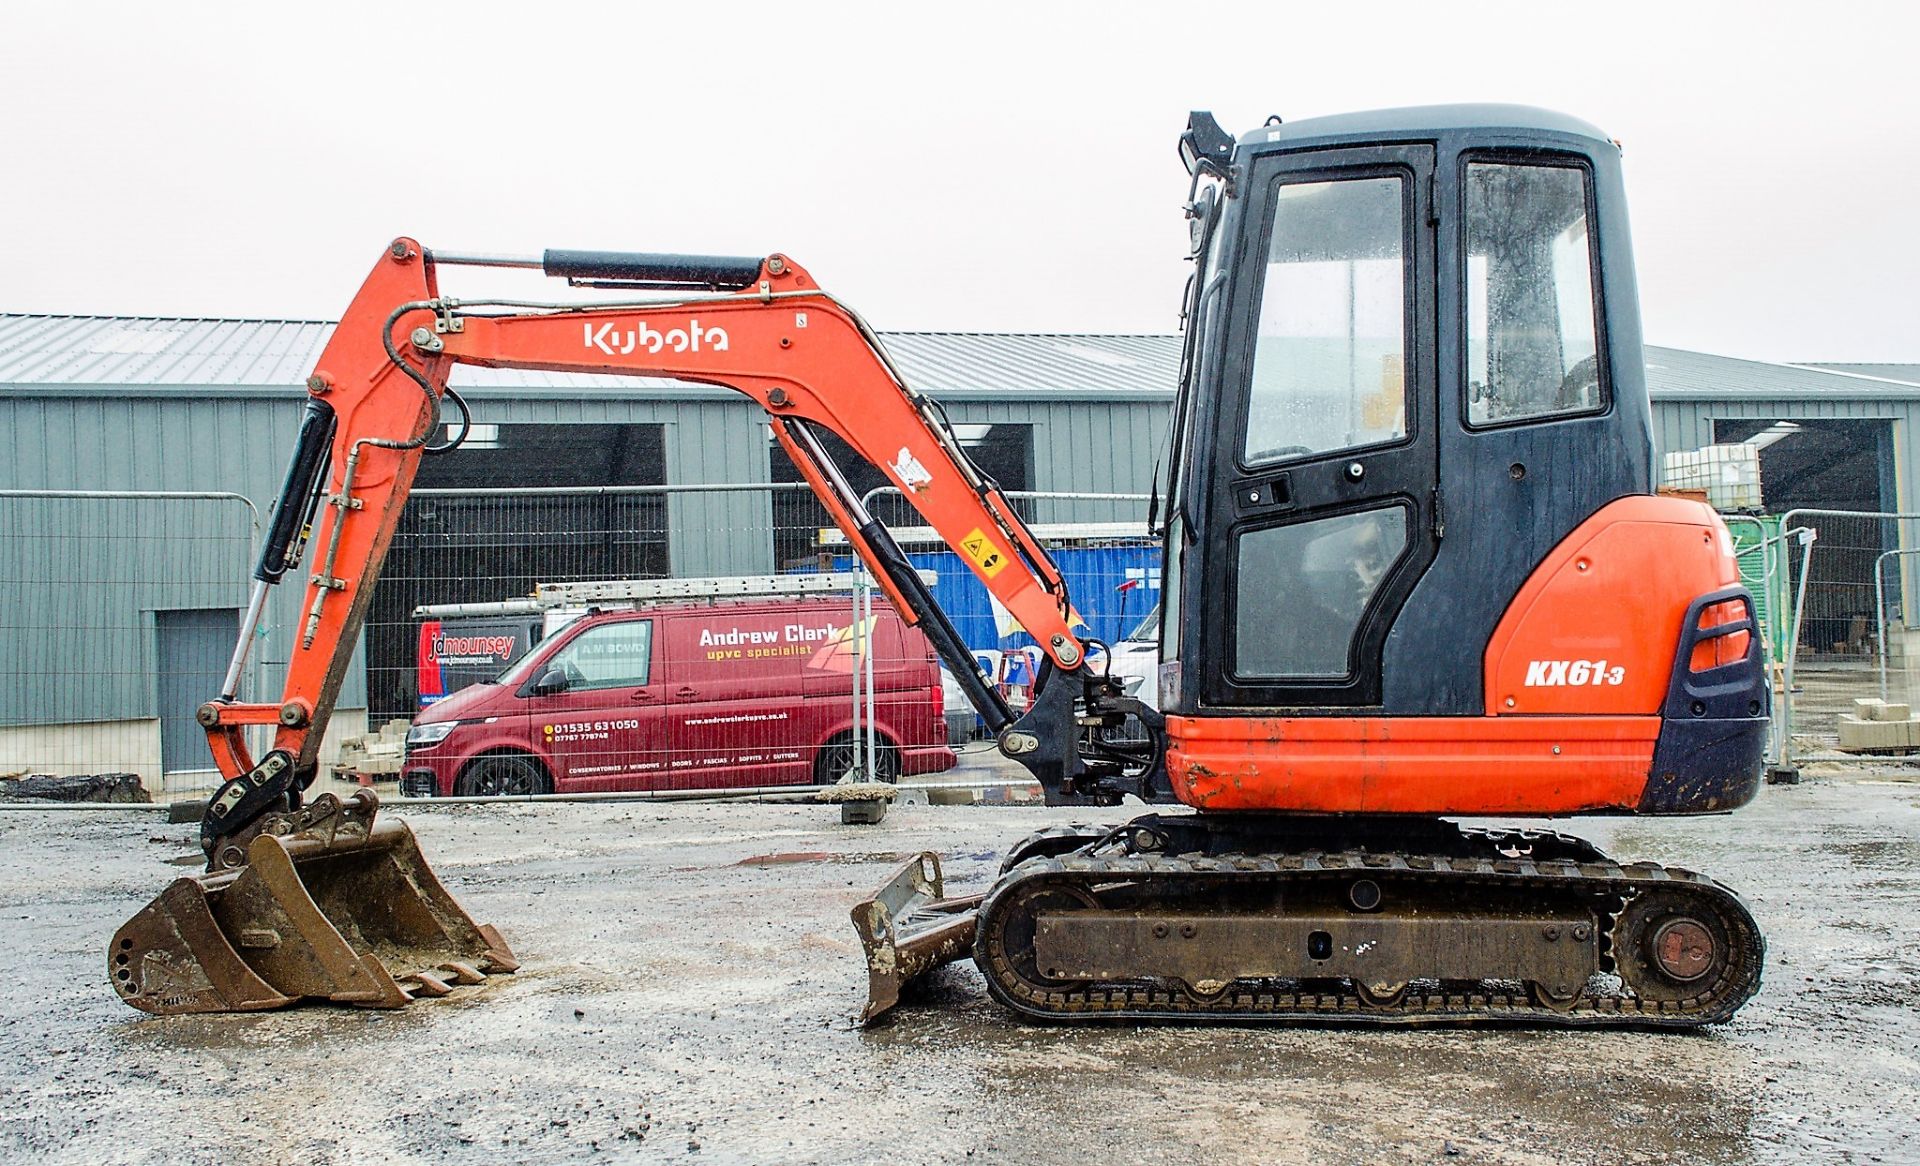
[[1415, 363], [1414, 372]]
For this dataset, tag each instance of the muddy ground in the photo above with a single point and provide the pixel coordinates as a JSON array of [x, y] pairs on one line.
[[686, 999]]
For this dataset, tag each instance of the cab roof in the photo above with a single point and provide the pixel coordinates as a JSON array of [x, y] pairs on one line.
[[1425, 121]]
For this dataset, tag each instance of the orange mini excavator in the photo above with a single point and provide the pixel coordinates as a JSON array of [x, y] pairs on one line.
[[1415, 570]]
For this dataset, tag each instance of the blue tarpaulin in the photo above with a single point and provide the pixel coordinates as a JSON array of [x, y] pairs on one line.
[[1096, 581]]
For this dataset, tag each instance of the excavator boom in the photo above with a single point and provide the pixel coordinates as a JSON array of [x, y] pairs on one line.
[[240, 937]]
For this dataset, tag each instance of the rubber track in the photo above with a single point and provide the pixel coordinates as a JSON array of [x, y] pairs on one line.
[[1237, 1004]]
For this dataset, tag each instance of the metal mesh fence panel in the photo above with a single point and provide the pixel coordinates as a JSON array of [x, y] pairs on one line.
[[565, 639], [627, 659], [693, 638], [118, 615], [1846, 578]]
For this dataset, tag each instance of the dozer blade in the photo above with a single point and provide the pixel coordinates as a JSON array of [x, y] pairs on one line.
[[908, 930], [345, 910]]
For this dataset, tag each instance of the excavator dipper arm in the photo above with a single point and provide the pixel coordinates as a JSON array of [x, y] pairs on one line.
[[761, 327]]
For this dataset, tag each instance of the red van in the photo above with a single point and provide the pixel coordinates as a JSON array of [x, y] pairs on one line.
[[691, 696]]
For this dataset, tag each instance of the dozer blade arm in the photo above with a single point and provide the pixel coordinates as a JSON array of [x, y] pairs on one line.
[[909, 928]]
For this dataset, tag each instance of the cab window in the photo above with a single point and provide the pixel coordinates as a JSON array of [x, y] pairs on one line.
[[615, 655], [1330, 354], [1531, 343], [1302, 589]]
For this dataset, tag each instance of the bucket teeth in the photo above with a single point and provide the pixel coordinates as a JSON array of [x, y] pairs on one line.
[[427, 984], [349, 913]]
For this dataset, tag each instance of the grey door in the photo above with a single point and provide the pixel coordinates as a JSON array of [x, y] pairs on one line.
[[194, 647]]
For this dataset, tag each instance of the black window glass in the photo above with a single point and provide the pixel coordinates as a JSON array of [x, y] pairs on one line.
[[1530, 306], [1301, 590]]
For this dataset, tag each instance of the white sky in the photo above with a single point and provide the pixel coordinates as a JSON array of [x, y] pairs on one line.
[[946, 167]]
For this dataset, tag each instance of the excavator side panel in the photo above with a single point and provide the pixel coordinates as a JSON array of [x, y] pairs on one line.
[[1581, 676]]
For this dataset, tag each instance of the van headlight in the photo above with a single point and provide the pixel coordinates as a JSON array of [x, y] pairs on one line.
[[421, 736]]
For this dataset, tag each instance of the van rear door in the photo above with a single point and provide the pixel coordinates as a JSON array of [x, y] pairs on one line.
[[906, 682], [607, 730], [734, 687]]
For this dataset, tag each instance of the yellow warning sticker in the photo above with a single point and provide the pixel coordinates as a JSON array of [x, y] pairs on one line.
[[978, 547]]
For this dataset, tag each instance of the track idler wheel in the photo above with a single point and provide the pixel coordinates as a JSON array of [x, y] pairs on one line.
[[1013, 947], [1024, 923], [1670, 951]]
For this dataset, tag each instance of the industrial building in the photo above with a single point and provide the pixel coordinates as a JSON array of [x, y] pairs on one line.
[[119, 611]]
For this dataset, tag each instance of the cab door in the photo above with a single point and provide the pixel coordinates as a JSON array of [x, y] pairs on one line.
[[606, 730], [1324, 511]]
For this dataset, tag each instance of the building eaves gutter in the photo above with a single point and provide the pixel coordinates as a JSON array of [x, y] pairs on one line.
[[1878, 391], [1894, 393], [552, 393]]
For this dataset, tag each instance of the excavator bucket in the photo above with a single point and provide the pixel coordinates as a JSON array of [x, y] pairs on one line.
[[344, 909], [909, 929]]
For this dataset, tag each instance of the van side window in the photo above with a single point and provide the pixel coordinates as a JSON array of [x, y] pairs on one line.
[[615, 655]]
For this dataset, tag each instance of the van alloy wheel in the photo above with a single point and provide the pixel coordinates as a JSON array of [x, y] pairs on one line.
[[508, 775], [837, 757]]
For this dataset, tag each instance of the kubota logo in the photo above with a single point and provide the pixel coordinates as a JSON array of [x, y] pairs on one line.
[[1565, 673], [692, 338]]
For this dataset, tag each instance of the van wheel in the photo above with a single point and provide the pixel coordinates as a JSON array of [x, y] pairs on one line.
[[506, 775], [837, 756]]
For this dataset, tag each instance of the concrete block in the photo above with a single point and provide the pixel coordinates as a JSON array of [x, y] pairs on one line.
[[1867, 708], [1863, 736], [1895, 712]]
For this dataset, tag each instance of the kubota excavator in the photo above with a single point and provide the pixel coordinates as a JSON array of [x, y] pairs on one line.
[[1415, 570]]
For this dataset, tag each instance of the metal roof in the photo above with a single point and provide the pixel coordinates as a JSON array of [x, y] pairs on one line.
[[142, 350], [1070, 364], [144, 353], [1678, 374], [1909, 373], [158, 352]]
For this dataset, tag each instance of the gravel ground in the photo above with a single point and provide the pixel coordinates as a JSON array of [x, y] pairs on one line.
[[685, 998]]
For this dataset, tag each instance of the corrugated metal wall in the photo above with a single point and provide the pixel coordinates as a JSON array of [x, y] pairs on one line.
[[1100, 447], [103, 439], [1686, 425], [124, 560], [80, 582], [85, 438]]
